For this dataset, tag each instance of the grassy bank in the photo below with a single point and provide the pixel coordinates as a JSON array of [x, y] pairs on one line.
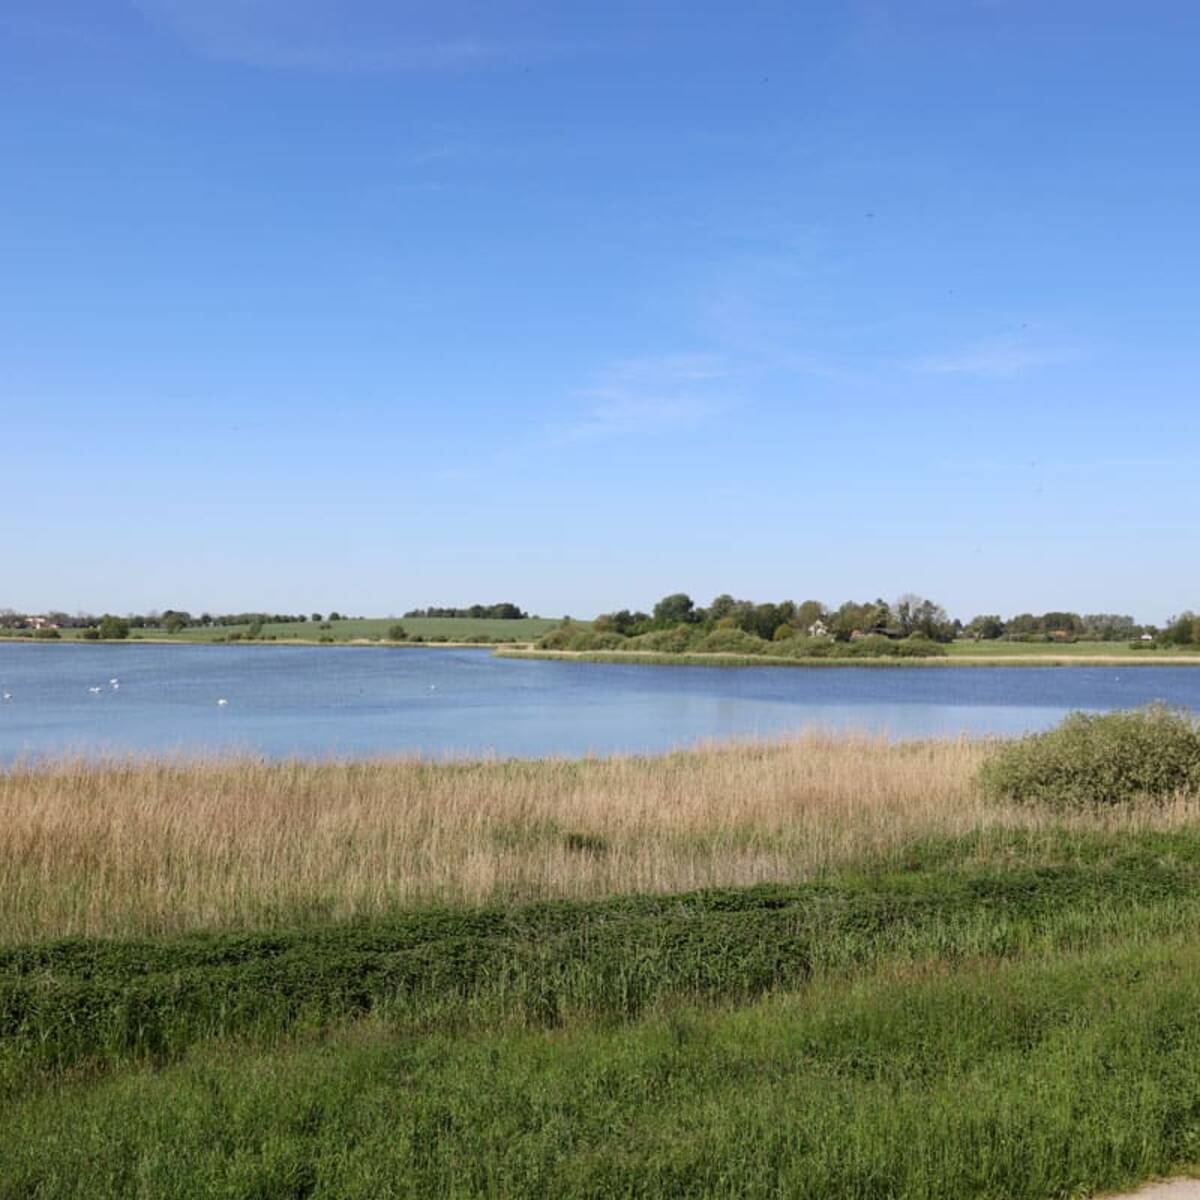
[[152, 847], [553, 979], [1023, 1079], [1082, 655]]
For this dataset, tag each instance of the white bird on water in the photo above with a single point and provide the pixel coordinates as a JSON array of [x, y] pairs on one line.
[[7, 695], [222, 702], [94, 690], [116, 683]]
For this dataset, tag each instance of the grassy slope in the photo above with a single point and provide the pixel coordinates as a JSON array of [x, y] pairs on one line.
[[953, 1031], [1022, 1080], [949, 999]]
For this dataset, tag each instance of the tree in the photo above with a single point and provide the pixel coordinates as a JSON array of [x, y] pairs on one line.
[[317, 617], [397, 633], [1183, 630], [721, 607], [986, 627], [675, 609], [113, 628], [808, 614], [335, 615], [173, 622], [916, 615]]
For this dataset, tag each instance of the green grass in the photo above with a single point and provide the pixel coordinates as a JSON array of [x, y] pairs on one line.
[[1012, 1014], [100, 1001], [1020, 1080], [451, 628]]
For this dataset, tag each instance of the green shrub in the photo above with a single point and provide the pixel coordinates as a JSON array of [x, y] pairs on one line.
[[665, 641], [1111, 758], [46, 633], [396, 633], [113, 628], [730, 641], [91, 633]]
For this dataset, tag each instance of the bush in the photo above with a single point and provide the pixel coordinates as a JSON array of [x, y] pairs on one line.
[[113, 628], [730, 641], [396, 633], [1111, 758], [664, 641], [46, 633], [91, 633]]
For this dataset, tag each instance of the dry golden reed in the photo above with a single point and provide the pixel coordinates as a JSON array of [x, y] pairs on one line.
[[123, 848]]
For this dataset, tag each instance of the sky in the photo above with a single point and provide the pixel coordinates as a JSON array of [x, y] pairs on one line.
[[376, 304]]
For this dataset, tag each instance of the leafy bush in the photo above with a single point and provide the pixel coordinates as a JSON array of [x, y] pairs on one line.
[[1111, 758], [46, 633], [730, 641], [396, 633], [91, 633], [113, 628], [664, 641]]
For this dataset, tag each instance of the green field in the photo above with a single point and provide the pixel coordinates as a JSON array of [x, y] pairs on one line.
[[451, 629]]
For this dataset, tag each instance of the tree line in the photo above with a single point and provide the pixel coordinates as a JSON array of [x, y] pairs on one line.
[[909, 616], [478, 612]]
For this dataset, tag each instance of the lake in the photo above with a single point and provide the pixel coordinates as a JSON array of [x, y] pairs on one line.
[[320, 702]]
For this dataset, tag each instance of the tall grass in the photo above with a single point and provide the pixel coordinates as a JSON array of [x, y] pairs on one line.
[[134, 848]]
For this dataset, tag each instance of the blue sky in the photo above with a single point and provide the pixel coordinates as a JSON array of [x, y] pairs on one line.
[[367, 305]]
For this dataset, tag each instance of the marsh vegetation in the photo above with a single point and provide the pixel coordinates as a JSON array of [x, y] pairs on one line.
[[826, 967]]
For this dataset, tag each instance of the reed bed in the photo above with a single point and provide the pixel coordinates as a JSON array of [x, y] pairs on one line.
[[126, 848]]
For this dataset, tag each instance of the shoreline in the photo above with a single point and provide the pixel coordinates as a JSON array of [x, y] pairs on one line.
[[526, 650], [653, 658]]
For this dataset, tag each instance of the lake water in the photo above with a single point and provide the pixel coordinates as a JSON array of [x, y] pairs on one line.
[[369, 701]]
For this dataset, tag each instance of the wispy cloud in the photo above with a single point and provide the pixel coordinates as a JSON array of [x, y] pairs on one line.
[[337, 35], [997, 359], [651, 395]]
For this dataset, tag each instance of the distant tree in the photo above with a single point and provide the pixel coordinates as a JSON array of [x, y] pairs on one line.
[[986, 628], [676, 609], [916, 615], [397, 633], [113, 628], [1183, 630], [1062, 622], [721, 607], [317, 617], [1023, 625], [173, 622], [335, 615], [1109, 627], [808, 613]]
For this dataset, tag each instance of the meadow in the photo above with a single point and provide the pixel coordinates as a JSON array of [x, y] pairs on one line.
[[450, 629], [827, 967]]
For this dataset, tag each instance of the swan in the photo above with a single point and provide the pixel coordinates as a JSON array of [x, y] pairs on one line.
[[222, 702]]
